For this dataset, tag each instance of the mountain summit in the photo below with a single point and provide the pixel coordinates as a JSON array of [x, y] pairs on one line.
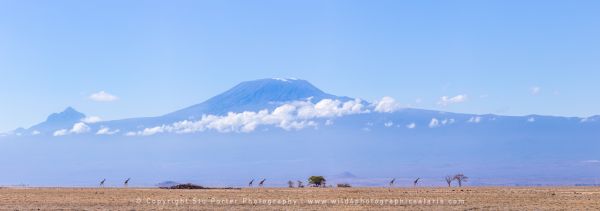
[[256, 95], [56, 121]]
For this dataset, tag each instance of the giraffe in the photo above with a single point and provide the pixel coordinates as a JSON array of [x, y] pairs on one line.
[[392, 182], [416, 182], [126, 182], [102, 183], [262, 182], [250, 183]]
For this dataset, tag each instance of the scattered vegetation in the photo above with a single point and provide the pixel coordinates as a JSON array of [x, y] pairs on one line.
[[300, 184], [191, 186], [186, 186], [344, 185]]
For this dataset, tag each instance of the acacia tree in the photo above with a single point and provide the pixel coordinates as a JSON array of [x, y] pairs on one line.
[[460, 178], [317, 181], [449, 180]]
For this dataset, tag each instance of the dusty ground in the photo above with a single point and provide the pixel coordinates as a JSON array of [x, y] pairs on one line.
[[505, 198]]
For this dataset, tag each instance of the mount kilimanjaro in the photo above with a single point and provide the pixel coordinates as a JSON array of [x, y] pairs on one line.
[[286, 129]]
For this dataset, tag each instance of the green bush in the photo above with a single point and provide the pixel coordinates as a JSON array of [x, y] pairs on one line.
[[317, 180]]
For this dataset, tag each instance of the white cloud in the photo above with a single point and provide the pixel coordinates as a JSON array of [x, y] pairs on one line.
[[447, 121], [591, 161], [324, 108], [79, 128], [535, 90], [531, 119], [62, 132], [152, 131], [434, 123], [35, 132], [291, 116], [475, 119], [106, 131], [103, 96], [387, 105], [445, 100], [388, 124], [91, 119]]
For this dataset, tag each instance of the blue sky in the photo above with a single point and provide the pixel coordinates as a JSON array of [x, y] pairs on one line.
[[506, 57]]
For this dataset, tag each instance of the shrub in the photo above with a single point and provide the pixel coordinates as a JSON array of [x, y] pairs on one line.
[[344, 185]]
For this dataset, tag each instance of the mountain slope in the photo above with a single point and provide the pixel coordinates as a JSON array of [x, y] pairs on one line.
[[57, 121], [255, 95]]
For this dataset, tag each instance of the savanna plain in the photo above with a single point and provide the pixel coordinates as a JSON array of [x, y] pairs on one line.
[[421, 198]]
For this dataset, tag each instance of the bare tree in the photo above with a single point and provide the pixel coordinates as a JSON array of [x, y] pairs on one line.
[[416, 182], [460, 178], [449, 180], [261, 183], [250, 183], [126, 183], [300, 185], [290, 184], [102, 183]]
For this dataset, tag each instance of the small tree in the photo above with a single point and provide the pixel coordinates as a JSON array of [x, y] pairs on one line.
[[290, 184], [300, 185], [449, 180], [460, 178], [317, 181]]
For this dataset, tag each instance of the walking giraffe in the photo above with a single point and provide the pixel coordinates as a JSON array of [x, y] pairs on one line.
[[262, 182], [126, 183]]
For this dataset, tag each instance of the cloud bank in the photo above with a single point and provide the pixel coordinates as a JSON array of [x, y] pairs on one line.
[[291, 116], [387, 105], [78, 128]]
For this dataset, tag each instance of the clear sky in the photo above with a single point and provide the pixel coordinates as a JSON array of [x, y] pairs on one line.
[[503, 57]]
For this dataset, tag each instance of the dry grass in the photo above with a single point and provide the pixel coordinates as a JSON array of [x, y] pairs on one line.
[[505, 198]]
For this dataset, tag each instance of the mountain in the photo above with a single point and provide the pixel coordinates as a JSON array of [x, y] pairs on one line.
[[58, 121], [253, 95], [269, 94], [292, 141], [256, 95]]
